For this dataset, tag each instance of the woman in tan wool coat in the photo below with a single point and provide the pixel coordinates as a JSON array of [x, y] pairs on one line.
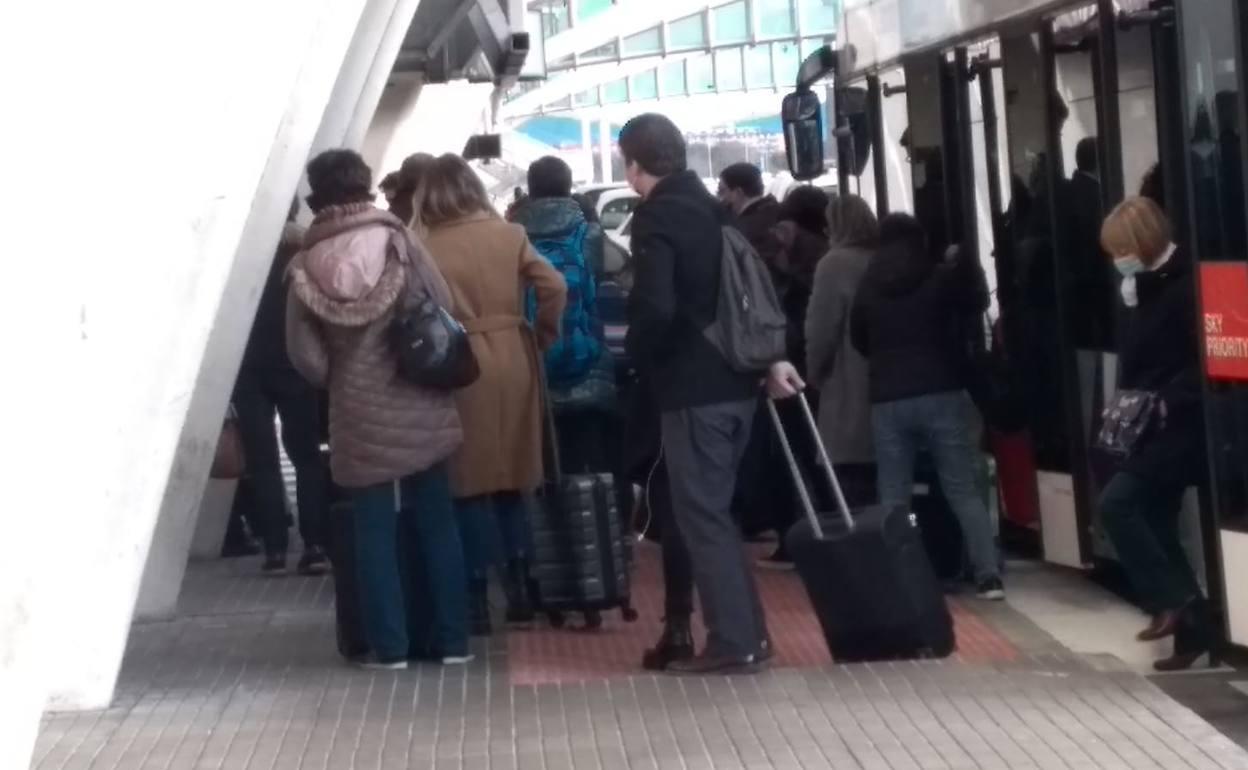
[[489, 264]]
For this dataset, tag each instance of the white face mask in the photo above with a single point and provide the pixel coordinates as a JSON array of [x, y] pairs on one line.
[[1129, 266]]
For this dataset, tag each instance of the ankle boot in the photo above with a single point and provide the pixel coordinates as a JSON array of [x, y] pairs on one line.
[[519, 601], [674, 645], [479, 608]]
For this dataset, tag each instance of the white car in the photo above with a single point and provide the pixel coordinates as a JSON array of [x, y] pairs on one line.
[[615, 207], [593, 192]]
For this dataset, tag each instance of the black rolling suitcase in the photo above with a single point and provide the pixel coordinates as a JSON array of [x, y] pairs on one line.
[[867, 574], [582, 555]]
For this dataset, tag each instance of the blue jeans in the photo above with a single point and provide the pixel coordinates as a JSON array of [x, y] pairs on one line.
[[1141, 517], [496, 530], [409, 560], [941, 424]]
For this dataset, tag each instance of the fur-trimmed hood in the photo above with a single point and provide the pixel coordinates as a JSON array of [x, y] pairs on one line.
[[354, 264]]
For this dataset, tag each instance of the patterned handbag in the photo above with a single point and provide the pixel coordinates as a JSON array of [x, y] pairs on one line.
[[1129, 417]]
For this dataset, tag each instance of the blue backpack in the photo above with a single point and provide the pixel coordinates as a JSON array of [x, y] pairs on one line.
[[580, 342]]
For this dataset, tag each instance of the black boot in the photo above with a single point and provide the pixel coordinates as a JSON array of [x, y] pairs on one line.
[[479, 608], [675, 644], [519, 600]]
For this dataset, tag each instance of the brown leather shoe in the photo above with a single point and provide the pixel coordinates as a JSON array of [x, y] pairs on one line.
[[1150, 631], [1164, 624], [1180, 661]]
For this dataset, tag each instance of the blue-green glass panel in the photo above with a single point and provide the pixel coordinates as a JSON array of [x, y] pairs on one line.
[[586, 98], [646, 85], [788, 59], [810, 45], [688, 32], [615, 92], [820, 15], [673, 78], [732, 23], [701, 74], [587, 9], [758, 67], [609, 51], [775, 18], [728, 73], [649, 41]]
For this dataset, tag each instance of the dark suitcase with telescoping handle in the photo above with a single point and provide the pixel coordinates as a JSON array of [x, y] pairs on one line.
[[582, 555], [867, 573]]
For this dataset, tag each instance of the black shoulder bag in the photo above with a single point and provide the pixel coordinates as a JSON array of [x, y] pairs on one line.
[[430, 346]]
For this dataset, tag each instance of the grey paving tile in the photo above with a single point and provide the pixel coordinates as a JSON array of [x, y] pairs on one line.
[[247, 678]]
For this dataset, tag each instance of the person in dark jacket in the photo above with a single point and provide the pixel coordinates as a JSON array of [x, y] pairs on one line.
[[905, 321], [756, 213], [706, 407], [762, 479], [1158, 353], [269, 386], [802, 233]]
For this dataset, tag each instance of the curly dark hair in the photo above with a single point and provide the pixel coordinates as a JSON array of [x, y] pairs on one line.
[[339, 177], [654, 143]]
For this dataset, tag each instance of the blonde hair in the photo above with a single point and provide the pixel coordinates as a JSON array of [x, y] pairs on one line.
[[851, 222], [447, 189], [1136, 227]]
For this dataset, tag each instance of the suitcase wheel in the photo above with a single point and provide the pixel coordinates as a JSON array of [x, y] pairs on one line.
[[557, 619], [593, 620], [630, 614]]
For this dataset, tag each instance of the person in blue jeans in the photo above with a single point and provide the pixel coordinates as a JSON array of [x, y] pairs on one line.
[[905, 322], [389, 439]]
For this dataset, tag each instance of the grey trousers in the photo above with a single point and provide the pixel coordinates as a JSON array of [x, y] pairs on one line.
[[703, 447]]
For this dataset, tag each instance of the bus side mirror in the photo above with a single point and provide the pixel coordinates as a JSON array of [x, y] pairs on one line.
[[802, 116]]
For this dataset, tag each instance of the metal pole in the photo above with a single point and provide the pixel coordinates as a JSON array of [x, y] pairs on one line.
[[879, 165]]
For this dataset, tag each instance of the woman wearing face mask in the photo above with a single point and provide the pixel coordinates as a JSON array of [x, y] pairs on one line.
[[1158, 354]]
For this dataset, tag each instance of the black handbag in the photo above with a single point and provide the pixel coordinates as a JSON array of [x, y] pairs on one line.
[[431, 347], [1129, 417]]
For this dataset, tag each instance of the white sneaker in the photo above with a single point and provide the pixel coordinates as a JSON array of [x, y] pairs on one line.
[[457, 660], [372, 664]]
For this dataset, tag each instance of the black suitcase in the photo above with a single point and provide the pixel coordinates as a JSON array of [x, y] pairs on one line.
[[582, 555], [867, 574]]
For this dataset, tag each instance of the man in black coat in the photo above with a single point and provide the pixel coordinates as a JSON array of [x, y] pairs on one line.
[[706, 408], [267, 386]]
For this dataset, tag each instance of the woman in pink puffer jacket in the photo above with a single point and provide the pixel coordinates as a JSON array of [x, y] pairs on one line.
[[389, 439]]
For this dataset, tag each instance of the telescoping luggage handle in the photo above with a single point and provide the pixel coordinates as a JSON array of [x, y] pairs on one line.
[[802, 492]]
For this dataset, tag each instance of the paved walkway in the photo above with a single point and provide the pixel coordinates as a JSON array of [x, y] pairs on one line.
[[247, 677]]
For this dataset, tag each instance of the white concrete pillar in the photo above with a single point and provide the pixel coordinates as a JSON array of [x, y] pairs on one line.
[[346, 65], [604, 149], [167, 558], [154, 281], [395, 108]]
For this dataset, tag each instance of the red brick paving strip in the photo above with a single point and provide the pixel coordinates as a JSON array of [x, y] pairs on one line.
[[550, 656]]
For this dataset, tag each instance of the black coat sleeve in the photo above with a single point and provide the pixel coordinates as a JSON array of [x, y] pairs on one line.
[[652, 301]]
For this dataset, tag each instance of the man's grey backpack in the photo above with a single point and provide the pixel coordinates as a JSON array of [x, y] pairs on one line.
[[749, 326]]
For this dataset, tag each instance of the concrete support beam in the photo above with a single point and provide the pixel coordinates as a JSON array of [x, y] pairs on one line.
[[394, 110], [349, 69], [156, 283]]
